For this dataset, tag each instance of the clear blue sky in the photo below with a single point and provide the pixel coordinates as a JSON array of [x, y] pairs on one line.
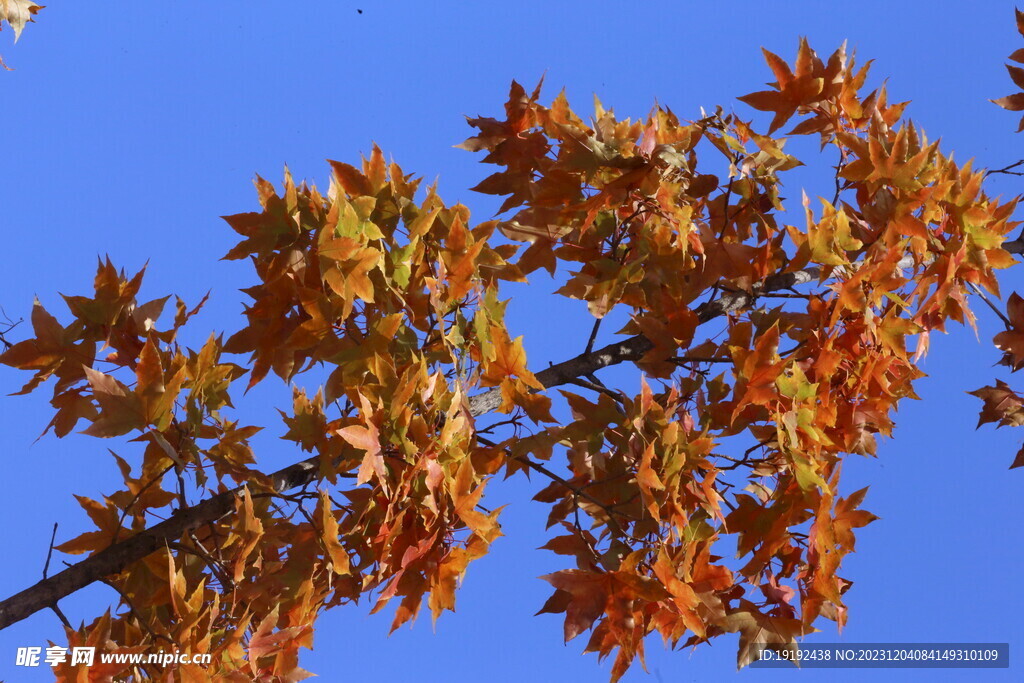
[[130, 127]]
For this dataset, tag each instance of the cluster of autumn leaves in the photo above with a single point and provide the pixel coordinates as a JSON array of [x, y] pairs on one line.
[[1002, 405], [768, 352]]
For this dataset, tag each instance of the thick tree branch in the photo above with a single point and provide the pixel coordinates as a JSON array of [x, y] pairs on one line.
[[123, 553], [1015, 246], [114, 559]]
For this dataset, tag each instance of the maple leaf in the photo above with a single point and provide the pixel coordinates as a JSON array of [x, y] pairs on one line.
[[509, 360], [1015, 102], [267, 641], [367, 439], [848, 517], [45, 353], [803, 88], [17, 13], [1002, 405], [757, 371], [466, 497], [107, 519], [329, 526], [759, 630], [249, 529], [581, 595], [1011, 340], [776, 592], [120, 408]]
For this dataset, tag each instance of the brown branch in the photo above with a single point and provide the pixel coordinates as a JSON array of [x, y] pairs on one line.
[[1006, 170], [686, 360], [838, 176], [135, 499], [215, 564], [63, 618], [49, 553], [114, 559], [995, 309], [1015, 246], [594, 386], [9, 325], [46, 570], [593, 336]]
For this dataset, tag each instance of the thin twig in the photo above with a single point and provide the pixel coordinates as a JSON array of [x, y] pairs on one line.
[[11, 324], [593, 335], [746, 460], [593, 386], [46, 568], [839, 170], [60, 615], [1006, 169], [135, 499], [224, 578], [49, 553], [984, 297], [684, 360], [491, 427], [583, 534], [182, 498]]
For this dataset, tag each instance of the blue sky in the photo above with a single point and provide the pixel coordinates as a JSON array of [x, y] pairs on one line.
[[129, 128]]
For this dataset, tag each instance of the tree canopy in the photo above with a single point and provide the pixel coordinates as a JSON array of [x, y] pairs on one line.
[[707, 499]]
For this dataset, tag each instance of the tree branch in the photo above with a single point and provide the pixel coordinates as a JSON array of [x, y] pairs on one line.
[[114, 559]]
